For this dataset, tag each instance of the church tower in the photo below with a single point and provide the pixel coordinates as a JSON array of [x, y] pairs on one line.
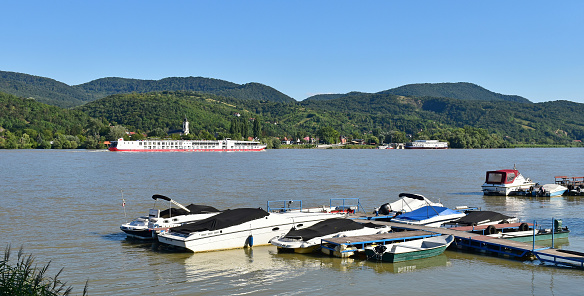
[[185, 126]]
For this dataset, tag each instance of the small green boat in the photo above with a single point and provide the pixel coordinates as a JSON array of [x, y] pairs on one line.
[[410, 250]]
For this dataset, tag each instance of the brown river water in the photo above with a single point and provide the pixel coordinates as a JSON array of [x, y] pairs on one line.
[[66, 207]]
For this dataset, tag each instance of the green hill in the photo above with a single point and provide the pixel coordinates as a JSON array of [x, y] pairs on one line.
[[44, 90], [52, 92], [251, 91], [459, 90]]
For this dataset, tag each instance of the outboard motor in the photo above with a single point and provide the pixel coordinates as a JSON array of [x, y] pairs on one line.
[[384, 209]]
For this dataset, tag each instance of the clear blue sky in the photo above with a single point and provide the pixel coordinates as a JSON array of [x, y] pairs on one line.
[[534, 49]]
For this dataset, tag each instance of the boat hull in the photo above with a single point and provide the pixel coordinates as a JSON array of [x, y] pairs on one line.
[[253, 233], [391, 257], [412, 250]]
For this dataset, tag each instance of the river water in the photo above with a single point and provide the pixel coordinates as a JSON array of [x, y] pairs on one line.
[[66, 207]]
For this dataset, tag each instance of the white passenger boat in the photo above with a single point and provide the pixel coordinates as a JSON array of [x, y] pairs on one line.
[[166, 145], [307, 240], [506, 182], [429, 216], [427, 144], [157, 220], [239, 228], [407, 203]]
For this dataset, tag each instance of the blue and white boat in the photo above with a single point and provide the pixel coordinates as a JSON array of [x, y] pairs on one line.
[[549, 190], [429, 216]]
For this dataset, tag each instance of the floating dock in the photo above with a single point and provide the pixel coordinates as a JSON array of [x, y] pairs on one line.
[[346, 246]]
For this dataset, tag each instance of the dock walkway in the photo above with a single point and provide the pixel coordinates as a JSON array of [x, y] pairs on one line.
[[485, 244]]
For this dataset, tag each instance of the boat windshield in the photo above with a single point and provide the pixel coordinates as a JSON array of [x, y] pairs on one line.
[[495, 177]]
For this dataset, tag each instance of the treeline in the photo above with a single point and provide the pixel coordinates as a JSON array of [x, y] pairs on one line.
[[374, 118]]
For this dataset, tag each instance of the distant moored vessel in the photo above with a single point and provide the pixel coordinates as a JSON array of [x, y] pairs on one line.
[[185, 145], [427, 144]]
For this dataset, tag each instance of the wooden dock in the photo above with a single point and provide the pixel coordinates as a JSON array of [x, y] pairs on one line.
[[489, 245]]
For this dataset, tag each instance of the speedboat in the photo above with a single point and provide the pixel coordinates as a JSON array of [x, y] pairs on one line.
[[157, 220], [307, 240], [407, 203], [410, 250], [429, 216], [238, 228], [506, 182], [549, 190], [477, 218]]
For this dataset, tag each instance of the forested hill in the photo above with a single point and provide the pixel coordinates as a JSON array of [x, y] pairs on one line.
[[250, 91], [459, 90], [59, 94], [44, 90]]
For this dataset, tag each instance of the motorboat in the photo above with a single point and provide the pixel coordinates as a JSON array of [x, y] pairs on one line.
[[549, 190], [410, 250], [307, 240], [476, 218], [157, 220], [407, 203], [523, 232], [238, 228], [432, 216], [506, 182]]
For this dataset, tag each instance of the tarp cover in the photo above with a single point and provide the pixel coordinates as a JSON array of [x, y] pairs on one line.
[[325, 227], [427, 212], [195, 209], [222, 220], [474, 217]]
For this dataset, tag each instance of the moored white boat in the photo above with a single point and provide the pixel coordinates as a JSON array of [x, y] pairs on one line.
[[506, 182], [426, 144], [429, 216], [308, 239], [157, 220], [477, 218], [408, 202], [238, 228], [549, 190]]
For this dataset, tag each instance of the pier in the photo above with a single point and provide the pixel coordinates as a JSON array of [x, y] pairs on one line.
[[464, 240]]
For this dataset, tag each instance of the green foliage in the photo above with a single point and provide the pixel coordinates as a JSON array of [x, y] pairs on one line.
[[25, 278]]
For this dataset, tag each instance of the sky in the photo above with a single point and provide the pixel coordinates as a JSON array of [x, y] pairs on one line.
[[534, 49]]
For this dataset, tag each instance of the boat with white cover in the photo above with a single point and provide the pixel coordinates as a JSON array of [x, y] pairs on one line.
[[429, 216], [157, 220], [506, 182], [238, 228], [407, 203], [307, 240]]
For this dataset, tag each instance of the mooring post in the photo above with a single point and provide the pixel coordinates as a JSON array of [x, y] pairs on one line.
[[533, 245], [553, 230]]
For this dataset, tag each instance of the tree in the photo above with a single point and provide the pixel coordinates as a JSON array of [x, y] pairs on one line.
[[257, 128], [329, 135], [116, 132]]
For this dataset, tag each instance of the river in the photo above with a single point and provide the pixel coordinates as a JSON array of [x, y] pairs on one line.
[[65, 206]]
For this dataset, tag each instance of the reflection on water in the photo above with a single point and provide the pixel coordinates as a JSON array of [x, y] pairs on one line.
[[65, 207]]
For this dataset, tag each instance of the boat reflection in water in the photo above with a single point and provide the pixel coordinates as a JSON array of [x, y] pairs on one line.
[[410, 266]]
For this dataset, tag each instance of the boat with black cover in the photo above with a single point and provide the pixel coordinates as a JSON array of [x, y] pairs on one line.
[[237, 228], [475, 218], [308, 239]]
